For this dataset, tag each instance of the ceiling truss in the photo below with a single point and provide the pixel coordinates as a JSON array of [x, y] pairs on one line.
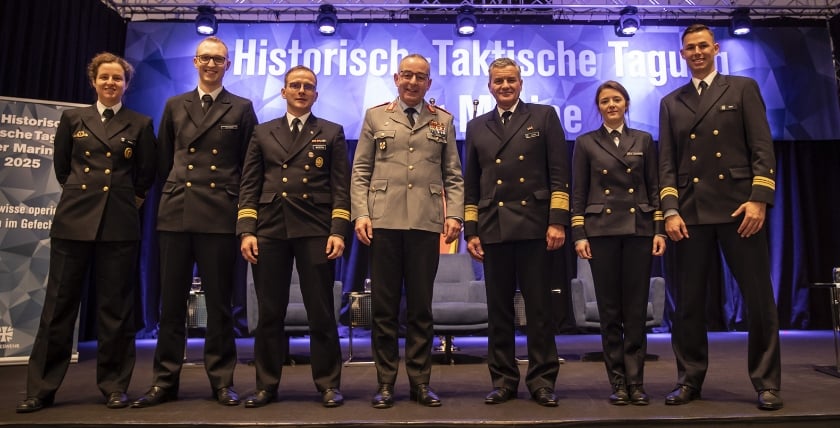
[[487, 11]]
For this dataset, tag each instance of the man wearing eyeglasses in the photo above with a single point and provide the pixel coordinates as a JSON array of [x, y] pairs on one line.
[[406, 190], [294, 207], [203, 138]]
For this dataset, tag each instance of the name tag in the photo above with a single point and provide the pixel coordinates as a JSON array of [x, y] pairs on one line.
[[228, 127], [635, 153], [532, 134], [319, 147], [728, 107]]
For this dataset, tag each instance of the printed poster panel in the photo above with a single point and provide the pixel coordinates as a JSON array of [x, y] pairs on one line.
[[29, 193]]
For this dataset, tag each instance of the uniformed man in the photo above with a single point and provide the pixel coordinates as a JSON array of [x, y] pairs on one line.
[[203, 137], [717, 173], [406, 175], [517, 208], [105, 163], [294, 206]]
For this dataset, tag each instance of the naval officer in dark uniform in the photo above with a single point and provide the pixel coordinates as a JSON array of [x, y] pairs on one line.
[[203, 137], [617, 227], [294, 207], [517, 209], [717, 176], [105, 162]]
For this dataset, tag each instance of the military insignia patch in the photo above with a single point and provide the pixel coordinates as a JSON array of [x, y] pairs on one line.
[[80, 134]]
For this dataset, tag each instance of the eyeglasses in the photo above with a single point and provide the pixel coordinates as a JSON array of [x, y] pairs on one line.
[[408, 75], [308, 87], [205, 59]]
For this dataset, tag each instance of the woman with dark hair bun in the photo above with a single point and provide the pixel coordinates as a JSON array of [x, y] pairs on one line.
[[105, 162], [617, 226]]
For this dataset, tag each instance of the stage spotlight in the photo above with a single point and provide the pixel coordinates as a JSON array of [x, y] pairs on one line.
[[205, 21], [741, 25], [628, 22], [465, 22], [327, 19]]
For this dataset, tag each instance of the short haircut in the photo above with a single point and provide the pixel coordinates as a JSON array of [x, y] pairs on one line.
[[298, 68], [502, 63], [696, 28]]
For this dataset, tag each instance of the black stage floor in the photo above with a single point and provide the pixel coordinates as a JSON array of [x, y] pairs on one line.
[[811, 397]]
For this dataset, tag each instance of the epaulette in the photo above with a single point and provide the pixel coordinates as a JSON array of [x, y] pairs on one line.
[[391, 105], [433, 107]]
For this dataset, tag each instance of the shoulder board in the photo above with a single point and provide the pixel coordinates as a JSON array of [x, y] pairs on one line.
[[379, 105], [434, 108]]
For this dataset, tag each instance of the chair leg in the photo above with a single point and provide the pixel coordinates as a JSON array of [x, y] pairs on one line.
[[448, 350]]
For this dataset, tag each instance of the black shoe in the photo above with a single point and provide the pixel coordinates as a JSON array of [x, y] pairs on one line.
[[384, 397], [424, 395], [769, 399], [683, 394], [619, 396], [332, 397], [545, 397], [117, 400], [638, 396], [32, 404], [154, 396], [499, 396], [260, 398], [226, 396]]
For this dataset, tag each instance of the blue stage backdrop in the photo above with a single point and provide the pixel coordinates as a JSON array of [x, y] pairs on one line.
[[562, 65]]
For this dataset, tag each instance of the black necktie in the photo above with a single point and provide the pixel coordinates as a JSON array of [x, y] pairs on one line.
[[409, 112], [703, 85], [616, 136], [295, 128], [107, 114], [207, 101], [506, 117]]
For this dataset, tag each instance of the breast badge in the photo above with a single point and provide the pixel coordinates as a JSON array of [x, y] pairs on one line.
[[128, 153], [319, 162], [80, 134]]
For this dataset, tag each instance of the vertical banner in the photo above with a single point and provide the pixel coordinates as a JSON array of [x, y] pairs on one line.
[[29, 193]]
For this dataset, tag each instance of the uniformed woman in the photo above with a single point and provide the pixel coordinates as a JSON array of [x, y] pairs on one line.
[[105, 163], [617, 226]]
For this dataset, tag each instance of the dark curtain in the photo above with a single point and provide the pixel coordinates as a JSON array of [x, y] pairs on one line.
[[45, 46]]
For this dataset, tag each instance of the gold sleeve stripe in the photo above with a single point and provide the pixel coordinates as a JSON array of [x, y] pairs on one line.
[[668, 191], [247, 213], [658, 216], [341, 214], [559, 200], [471, 213], [764, 181], [577, 221]]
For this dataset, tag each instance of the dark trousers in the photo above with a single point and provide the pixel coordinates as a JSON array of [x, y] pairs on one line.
[[398, 257], [272, 278], [528, 264], [621, 272], [215, 255], [114, 281], [749, 261]]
